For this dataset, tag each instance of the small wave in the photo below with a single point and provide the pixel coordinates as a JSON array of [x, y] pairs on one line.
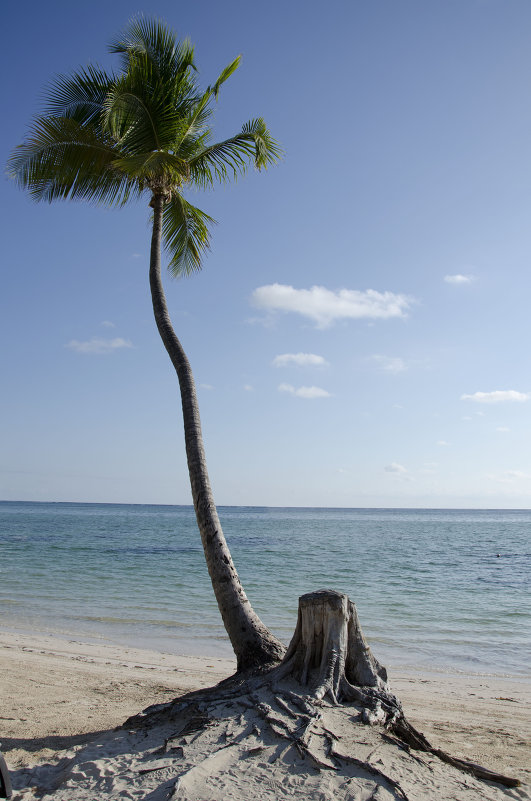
[[132, 621]]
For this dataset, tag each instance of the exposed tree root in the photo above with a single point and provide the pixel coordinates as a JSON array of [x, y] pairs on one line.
[[329, 653], [416, 740], [365, 765], [328, 665]]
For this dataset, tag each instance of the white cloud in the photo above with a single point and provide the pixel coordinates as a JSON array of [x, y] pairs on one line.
[[325, 306], [510, 476], [515, 474], [108, 324], [499, 396], [300, 359], [394, 467], [304, 392], [97, 345], [459, 279], [248, 388], [503, 429], [206, 386], [390, 364], [442, 443]]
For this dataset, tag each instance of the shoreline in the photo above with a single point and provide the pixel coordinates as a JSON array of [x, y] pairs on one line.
[[201, 647], [58, 693]]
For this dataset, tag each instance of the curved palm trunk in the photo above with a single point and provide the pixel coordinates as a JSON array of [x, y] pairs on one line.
[[252, 642]]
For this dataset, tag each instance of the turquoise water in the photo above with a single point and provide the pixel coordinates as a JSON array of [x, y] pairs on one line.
[[442, 588]]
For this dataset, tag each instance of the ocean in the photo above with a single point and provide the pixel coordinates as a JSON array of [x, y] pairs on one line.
[[441, 589]]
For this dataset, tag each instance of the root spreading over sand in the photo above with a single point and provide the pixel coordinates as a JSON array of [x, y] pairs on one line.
[[297, 732], [239, 741]]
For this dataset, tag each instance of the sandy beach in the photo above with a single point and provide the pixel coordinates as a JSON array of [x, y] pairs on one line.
[[60, 695]]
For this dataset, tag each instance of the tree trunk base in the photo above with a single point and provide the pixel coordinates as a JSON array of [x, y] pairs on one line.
[[329, 654]]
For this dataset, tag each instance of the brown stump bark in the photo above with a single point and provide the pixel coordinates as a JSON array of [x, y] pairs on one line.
[[329, 654]]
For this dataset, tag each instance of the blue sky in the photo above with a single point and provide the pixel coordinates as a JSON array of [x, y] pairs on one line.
[[360, 332]]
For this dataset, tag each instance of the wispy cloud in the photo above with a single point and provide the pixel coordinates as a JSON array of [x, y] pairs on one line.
[[97, 345], [325, 306], [299, 359], [510, 477], [304, 392], [459, 279], [248, 388], [498, 396], [399, 472], [503, 429], [394, 467], [107, 324], [429, 468], [208, 387], [390, 364], [516, 474]]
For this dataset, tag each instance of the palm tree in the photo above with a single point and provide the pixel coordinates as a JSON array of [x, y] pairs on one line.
[[145, 132]]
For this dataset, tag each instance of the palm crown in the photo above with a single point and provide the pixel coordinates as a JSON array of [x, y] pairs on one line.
[[109, 138]]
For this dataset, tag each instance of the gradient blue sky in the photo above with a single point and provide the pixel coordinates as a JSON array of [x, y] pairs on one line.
[[360, 333]]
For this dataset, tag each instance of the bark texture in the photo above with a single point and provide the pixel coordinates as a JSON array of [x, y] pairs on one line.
[[254, 646], [329, 654]]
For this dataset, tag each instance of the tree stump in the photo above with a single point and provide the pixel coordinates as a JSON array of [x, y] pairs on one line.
[[329, 654]]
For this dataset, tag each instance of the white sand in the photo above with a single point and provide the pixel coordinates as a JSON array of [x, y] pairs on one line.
[[58, 696]]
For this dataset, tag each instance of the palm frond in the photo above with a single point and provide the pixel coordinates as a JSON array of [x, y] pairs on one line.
[[268, 149], [195, 124], [153, 164], [143, 112], [152, 40], [232, 156], [79, 96], [201, 114], [226, 73], [185, 234], [130, 119], [62, 159]]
